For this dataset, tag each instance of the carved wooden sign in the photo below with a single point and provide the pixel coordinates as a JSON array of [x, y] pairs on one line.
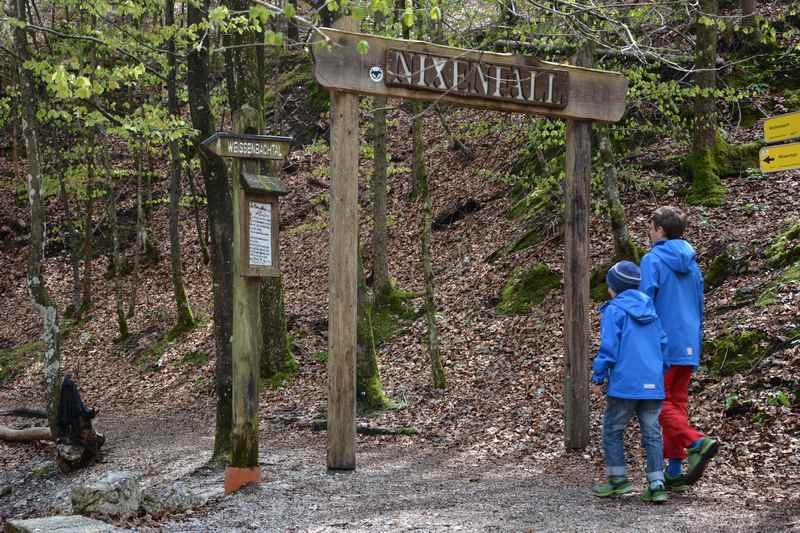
[[247, 146], [504, 82], [494, 81]]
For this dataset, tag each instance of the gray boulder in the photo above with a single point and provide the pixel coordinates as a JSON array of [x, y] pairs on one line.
[[177, 498], [60, 524], [114, 494]]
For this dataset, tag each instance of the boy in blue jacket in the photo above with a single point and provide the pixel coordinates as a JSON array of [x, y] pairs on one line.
[[671, 277], [631, 358]]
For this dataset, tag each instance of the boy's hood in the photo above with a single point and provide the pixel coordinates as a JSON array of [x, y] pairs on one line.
[[636, 304], [677, 254]]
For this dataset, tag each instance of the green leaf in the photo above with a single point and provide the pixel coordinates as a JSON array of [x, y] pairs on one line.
[[289, 10], [218, 14], [362, 48], [408, 17], [436, 13], [260, 13], [332, 5], [84, 87]]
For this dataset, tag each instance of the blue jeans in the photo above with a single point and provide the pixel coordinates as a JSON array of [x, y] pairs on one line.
[[618, 413]]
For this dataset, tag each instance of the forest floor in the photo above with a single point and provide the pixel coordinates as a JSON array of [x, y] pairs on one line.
[[490, 450], [400, 484]]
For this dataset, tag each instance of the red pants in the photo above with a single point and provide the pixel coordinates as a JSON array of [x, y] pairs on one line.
[[678, 434]]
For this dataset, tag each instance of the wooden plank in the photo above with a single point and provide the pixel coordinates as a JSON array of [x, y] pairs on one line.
[[590, 94], [343, 279], [782, 128], [577, 344], [246, 329], [248, 146]]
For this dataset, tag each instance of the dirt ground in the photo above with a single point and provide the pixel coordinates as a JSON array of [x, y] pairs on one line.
[[401, 484]]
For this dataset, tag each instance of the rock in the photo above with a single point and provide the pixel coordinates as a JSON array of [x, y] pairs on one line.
[[5, 490], [115, 494], [177, 498], [45, 470], [60, 524]]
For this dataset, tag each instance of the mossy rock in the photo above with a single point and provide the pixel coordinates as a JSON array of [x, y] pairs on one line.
[[786, 248], [718, 271], [733, 353], [790, 275], [527, 289], [13, 360], [706, 168]]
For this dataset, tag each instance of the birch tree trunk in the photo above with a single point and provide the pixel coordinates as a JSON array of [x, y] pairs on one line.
[[183, 319], [37, 288]]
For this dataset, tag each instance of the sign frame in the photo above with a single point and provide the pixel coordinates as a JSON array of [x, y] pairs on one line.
[[263, 197]]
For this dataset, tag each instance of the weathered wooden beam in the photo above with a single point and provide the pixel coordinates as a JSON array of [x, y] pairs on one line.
[[244, 467], [577, 344], [342, 278], [488, 80]]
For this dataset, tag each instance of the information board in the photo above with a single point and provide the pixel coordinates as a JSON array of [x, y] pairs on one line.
[[260, 234]]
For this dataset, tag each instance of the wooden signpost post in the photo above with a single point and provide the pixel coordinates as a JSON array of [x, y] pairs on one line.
[[502, 82], [255, 254]]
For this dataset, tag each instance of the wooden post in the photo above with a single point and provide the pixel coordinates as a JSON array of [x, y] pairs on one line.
[[244, 467], [343, 277], [576, 284]]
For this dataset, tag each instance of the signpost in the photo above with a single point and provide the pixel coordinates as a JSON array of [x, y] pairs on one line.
[[782, 128], [255, 254], [779, 157], [502, 82]]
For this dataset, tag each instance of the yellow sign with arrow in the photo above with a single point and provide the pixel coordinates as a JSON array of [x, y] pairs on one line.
[[782, 128], [780, 157]]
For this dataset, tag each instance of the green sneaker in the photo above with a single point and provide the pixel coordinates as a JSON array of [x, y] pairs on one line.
[[655, 495], [614, 486], [699, 457], [675, 484]]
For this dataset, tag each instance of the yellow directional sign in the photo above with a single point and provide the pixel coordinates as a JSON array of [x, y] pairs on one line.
[[782, 128], [780, 157]]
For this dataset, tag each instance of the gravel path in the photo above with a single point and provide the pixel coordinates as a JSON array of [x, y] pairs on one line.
[[401, 484]]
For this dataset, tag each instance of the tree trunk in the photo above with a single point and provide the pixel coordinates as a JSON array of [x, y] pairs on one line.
[[624, 247], [141, 235], [707, 187], [220, 218], [88, 230], [73, 311], [37, 288], [183, 319], [418, 157], [122, 320], [748, 12], [381, 283], [369, 390], [705, 115], [277, 362], [427, 266], [201, 237]]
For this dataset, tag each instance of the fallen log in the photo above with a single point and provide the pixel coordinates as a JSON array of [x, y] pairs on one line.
[[24, 412], [368, 429], [25, 435]]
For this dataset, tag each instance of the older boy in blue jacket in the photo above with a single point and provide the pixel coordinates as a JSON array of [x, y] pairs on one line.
[[671, 277], [631, 359]]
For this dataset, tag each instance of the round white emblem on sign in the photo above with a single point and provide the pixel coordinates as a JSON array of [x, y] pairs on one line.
[[376, 74]]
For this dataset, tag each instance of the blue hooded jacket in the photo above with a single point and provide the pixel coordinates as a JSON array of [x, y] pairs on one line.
[[631, 348], [671, 277]]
